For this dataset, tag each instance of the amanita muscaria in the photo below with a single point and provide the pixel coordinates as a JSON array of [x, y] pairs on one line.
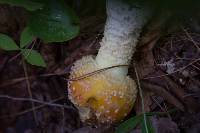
[[110, 95]]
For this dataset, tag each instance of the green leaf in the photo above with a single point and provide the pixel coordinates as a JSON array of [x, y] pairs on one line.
[[33, 57], [7, 43], [56, 22], [26, 37], [27, 4], [131, 123], [147, 126]]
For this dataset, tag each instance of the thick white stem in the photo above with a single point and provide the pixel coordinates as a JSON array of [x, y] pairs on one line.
[[123, 26]]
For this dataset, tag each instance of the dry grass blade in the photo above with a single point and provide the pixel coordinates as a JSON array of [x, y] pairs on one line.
[[17, 80], [190, 38], [29, 91], [142, 100], [178, 70]]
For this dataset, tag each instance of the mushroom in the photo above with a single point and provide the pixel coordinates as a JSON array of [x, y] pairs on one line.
[[110, 95]]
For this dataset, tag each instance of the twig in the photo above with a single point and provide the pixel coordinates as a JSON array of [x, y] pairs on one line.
[[35, 101], [189, 59], [178, 70], [29, 91], [191, 39], [196, 67], [17, 80], [63, 120], [31, 109], [166, 110]]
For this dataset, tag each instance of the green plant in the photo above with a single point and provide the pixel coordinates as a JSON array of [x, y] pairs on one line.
[[131, 123], [49, 20], [55, 22], [30, 55]]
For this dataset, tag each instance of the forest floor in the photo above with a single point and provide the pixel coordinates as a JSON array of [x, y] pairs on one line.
[[34, 100]]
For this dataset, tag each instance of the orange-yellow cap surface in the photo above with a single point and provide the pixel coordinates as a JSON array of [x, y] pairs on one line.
[[101, 97]]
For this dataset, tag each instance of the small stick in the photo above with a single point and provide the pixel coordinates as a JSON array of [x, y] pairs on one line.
[[29, 91], [35, 101], [50, 103]]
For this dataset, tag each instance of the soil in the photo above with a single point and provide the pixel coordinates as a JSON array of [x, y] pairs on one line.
[[169, 73]]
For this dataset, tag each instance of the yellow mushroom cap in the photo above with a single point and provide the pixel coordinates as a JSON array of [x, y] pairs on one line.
[[102, 97]]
